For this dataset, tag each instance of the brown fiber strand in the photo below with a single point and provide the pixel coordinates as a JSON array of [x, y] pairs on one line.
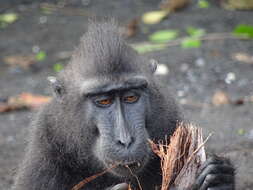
[[91, 178], [137, 179]]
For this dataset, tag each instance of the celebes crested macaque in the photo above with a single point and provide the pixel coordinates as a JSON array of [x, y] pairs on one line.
[[106, 104]]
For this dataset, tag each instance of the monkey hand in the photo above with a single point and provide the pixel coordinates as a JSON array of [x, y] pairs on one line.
[[120, 186], [216, 174]]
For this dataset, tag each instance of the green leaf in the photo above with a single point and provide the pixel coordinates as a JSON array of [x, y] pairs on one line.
[[57, 67], [195, 32], [144, 48], [163, 36], [191, 42], [243, 30], [203, 4], [40, 56], [241, 131], [8, 18]]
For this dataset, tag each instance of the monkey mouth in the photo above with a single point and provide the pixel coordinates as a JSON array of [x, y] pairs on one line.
[[125, 169], [130, 165]]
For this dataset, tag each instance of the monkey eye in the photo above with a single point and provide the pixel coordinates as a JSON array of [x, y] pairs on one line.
[[131, 99], [104, 102]]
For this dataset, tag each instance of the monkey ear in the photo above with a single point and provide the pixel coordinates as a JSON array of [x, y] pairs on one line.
[[153, 65], [57, 86]]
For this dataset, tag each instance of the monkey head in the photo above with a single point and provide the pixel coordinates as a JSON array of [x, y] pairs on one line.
[[105, 90]]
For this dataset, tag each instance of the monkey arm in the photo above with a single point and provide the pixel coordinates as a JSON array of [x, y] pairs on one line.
[[216, 174], [38, 173]]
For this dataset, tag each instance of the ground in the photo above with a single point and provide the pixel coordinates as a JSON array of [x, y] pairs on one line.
[[194, 74]]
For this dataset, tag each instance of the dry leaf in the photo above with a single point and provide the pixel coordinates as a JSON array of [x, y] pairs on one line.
[[243, 100], [30, 100], [154, 17], [235, 4], [239, 102], [220, 98], [20, 60], [243, 57], [23, 101], [173, 5]]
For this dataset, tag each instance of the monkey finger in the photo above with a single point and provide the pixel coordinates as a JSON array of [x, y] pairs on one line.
[[214, 169], [216, 180], [212, 160]]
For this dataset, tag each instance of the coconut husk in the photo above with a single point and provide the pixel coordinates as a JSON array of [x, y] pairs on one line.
[[181, 157]]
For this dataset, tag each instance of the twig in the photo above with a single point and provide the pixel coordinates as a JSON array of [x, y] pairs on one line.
[[89, 179], [136, 177], [207, 37]]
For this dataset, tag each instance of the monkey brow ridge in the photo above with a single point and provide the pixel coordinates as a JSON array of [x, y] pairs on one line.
[[95, 86]]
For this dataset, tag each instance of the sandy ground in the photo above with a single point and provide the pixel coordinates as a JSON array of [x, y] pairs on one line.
[[194, 74]]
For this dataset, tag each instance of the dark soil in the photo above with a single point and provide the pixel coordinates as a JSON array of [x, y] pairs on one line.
[[194, 74]]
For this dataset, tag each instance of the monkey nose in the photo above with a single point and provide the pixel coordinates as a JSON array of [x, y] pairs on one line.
[[125, 142]]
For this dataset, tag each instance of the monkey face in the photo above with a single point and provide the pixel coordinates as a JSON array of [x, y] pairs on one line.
[[121, 139]]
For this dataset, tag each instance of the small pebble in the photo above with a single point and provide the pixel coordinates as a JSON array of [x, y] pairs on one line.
[[250, 134], [43, 19], [184, 67], [230, 78], [162, 69], [10, 139], [200, 62], [35, 49], [180, 93]]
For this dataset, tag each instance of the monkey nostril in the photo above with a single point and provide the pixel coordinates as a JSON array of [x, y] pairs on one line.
[[125, 142]]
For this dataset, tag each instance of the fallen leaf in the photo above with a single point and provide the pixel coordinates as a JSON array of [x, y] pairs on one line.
[[154, 17], [241, 131], [239, 102], [190, 42], [31, 100], [240, 5], [41, 56], [173, 5], [58, 67], [8, 18], [23, 101], [203, 4], [163, 36], [195, 32], [243, 57], [20, 60], [220, 98], [243, 30]]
